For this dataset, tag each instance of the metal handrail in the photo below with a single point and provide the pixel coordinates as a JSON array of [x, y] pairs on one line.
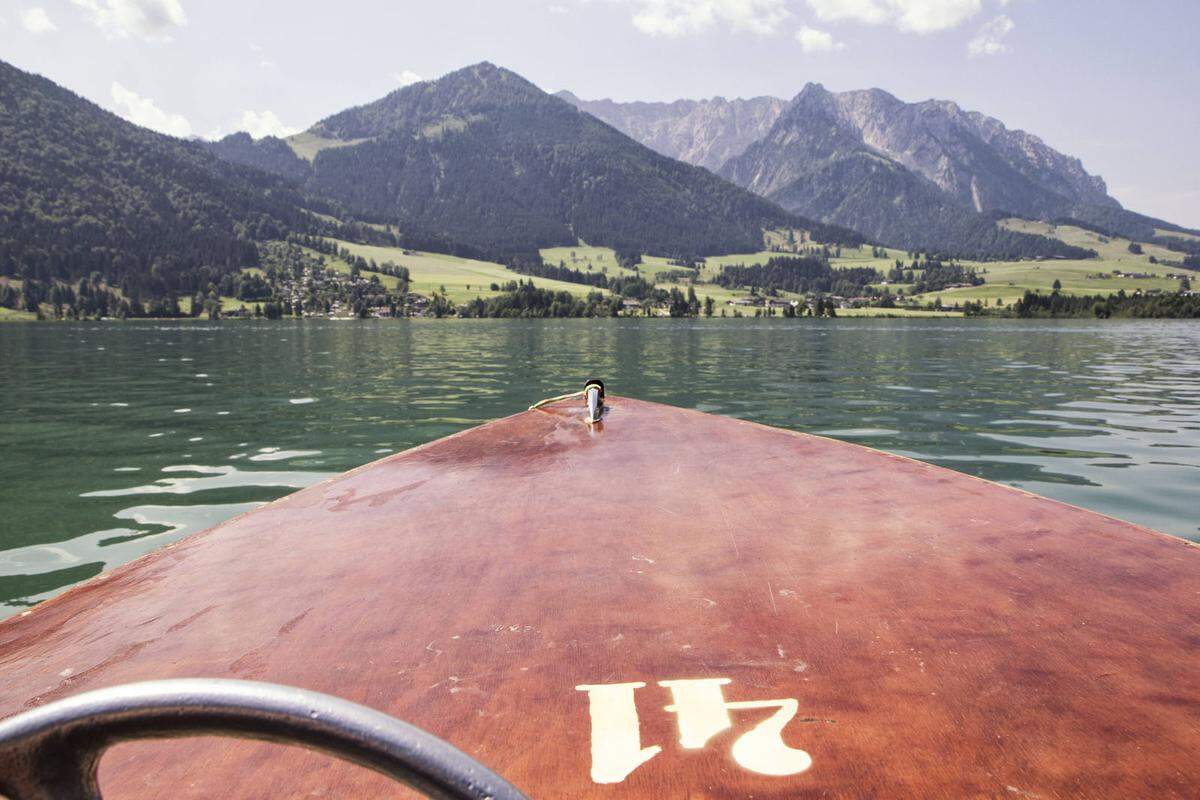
[[52, 752]]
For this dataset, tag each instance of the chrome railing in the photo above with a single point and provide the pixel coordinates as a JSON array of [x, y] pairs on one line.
[[52, 752]]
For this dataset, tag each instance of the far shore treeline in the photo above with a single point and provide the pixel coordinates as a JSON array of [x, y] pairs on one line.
[[295, 279]]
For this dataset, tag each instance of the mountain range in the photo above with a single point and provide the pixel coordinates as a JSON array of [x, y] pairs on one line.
[[481, 162], [925, 175], [485, 158]]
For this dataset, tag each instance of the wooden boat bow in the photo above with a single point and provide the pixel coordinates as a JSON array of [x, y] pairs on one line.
[[662, 604]]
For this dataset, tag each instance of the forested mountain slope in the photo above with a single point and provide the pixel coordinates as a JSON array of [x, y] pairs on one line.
[[82, 191]]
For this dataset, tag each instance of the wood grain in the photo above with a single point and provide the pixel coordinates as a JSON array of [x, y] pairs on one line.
[[944, 637]]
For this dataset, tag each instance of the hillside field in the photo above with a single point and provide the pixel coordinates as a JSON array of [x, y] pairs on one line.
[[464, 279], [586, 258], [1007, 281]]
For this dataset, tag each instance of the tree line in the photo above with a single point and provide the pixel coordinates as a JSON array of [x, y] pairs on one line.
[[800, 275], [1173, 305]]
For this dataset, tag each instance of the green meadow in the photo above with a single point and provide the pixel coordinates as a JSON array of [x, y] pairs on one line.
[[12, 315], [307, 145], [462, 278], [1109, 249], [1007, 281]]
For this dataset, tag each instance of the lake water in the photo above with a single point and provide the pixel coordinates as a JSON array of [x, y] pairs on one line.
[[119, 438]]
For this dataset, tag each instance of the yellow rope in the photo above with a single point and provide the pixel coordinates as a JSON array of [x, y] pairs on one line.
[[550, 400]]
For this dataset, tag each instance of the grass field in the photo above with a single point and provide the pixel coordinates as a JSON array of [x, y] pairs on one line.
[[12, 315], [600, 258], [307, 145], [338, 265], [585, 257], [1177, 234], [850, 257], [895, 312], [1109, 249], [862, 257], [714, 264], [233, 304], [603, 259], [464, 278], [653, 266], [1008, 281], [228, 304]]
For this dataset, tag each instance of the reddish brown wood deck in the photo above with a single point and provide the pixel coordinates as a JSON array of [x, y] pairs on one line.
[[942, 637]]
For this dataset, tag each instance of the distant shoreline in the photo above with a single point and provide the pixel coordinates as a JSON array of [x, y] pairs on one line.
[[912, 317]]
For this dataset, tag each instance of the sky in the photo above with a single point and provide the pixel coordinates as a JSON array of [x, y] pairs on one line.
[[1113, 82]]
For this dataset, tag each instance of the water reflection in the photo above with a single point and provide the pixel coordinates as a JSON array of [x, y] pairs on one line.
[[218, 478], [216, 417], [34, 573]]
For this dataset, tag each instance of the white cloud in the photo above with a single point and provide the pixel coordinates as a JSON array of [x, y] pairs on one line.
[[557, 9], [990, 39], [686, 17], [143, 111], [870, 11], [915, 16], [265, 123], [256, 123], [406, 76], [152, 20], [36, 20], [927, 16], [815, 41]]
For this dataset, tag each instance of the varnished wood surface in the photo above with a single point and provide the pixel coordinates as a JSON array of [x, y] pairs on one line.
[[944, 637]]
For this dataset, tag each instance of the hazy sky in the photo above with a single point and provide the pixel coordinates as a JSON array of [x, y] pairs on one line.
[[1114, 82]]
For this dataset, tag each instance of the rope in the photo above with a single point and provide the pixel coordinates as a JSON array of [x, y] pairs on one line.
[[550, 400], [586, 387]]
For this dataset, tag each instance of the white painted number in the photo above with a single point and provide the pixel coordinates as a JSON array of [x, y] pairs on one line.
[[616, 734], [702, 712]]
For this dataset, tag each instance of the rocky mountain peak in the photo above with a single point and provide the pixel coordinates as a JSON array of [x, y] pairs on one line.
[[706, 133]]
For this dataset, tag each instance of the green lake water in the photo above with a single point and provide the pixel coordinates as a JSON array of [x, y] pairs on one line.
[[117, 438]]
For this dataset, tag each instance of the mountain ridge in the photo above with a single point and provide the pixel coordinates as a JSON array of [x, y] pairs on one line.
[[705, 132], [813, 160], [974, 161], [484, 157]]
